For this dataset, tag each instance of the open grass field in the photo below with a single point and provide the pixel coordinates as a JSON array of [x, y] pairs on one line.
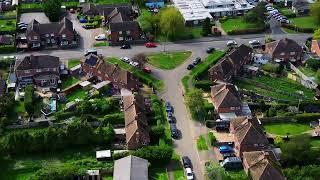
[[8, 25], [73, 62], [286, 127], [69, 82], [305, 22], [237, 24], [144, 77], [168, 60], [280, 88]]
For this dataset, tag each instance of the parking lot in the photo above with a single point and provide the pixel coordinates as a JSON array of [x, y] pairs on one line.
[[28, 17]]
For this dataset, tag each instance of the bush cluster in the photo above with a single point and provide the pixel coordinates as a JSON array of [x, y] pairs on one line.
[[204, 85], [247, 31], [299, 29], [8, 49]]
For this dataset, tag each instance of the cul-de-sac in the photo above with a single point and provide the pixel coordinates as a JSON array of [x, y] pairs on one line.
[[159, 89]]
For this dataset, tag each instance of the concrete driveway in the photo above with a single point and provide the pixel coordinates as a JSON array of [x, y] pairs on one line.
[[39, 16]]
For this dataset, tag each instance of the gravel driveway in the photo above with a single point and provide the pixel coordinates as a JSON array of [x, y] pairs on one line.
[[39, 16]]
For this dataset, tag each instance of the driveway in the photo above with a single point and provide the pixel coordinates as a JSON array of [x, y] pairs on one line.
[[39, 16], [275, 26]]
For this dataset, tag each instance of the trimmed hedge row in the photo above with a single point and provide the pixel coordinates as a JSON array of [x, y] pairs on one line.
[[8, 49], [204, 84], [299, 29], [306, 117], [248, 31], [117, 118]]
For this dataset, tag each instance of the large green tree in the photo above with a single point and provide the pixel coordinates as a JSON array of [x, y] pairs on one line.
[[315, 11], [206, 27], [196, 103], [257, 14], [29, 99], [171, 22], [52, 9]]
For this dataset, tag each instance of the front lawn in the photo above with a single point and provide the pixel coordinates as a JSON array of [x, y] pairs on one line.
[[30, 6], [237, 24], [305, 22], [145, 78], [158, 174], [69, 82], [8, 25], [279, 88], [112, 1], [202, 143], [286, 127], [99, 44], [73, 62], [76, 94], [168, 60], [315, 143]]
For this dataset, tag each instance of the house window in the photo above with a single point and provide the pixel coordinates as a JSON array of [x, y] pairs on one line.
[[128, 32], [38, 70], [64, 36], [292, 53], [47, 35], [232, 108], [48, 41], [26, 71], [64, 43], [52, 34], [195, 22], [53, 81], [120, 32], [35, 37], [282, 54], [120, 38]]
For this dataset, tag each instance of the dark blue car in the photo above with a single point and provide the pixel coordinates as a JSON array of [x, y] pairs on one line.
[[83, 20], [225, 149]]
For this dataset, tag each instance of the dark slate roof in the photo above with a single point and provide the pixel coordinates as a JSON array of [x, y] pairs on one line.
[[5, 39], [225, 96], [285, 45], [124, 26], [37, 62], [91, 59], [130, 168], [54, 27]]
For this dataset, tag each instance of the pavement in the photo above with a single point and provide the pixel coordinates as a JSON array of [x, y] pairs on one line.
[[190, 129]]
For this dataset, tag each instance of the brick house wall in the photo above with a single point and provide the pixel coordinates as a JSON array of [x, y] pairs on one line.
[[286, 56], [315, 47], [240, 148], [229, 109], [114, 36]]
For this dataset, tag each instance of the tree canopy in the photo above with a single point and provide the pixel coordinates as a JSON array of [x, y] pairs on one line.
[[171, 22], [315, 11], [196, 103], [52, 9], [257, 14], [316, 34], [314, 64], [206, 27]]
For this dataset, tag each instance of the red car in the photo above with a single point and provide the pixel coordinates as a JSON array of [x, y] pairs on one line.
[[150, 44], [147, 70]]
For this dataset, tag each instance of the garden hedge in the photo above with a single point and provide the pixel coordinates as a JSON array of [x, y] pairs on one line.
[[306, 117], [116, 118], [299, 29], [247, 31], [204, 85]]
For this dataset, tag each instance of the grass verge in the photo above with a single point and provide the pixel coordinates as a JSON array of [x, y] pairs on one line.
[[73, 62], [202, 143], [69, 82], [284, 128], [168, 60], [100, 44]]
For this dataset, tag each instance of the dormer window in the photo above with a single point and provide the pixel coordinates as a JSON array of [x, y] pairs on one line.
[[52, 34], [64, 36], [35, 37], [26, 71]]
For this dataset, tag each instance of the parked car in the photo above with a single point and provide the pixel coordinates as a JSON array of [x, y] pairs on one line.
[[231, 43], [189, 173], [100, 37], [146, 70], [125, 59], [23, 28], [21, 23], [255, 43], [210, 50], [226, 155], [168, 107], [171, 119], [190, 66], [83, 20], [232, 163], [173, 130], [134, 64], [186, 161], [169, 114], [225, 149], [72, 11], [125, 46], [91, 51], [88, 26], [150, 45], [196, 61]]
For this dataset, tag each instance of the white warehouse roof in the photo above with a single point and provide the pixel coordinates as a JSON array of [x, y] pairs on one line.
[[192, 9]]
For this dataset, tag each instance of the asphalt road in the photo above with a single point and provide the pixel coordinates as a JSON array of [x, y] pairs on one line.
[[173, 92]]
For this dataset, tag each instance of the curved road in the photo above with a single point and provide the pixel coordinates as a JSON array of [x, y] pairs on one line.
[[172, 78]]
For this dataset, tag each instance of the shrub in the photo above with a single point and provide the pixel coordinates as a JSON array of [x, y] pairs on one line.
[[57, 172], [223, 19], [247, 31], [272, 68], [62, 115], [314, 64], [212, 139], [156, 155], [210, 123], [117, 118], [299, 29], [204, 85], [156, 133], [306, 117], [7, 49], [120, 155]]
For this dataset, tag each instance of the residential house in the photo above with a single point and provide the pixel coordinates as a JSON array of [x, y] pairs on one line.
[[231, 65], [119, 21], [130, 168], [43, 70], [248, 135], [315, 47], [55, 34], [301, 7], [136, 122], [6, 40], [226, 98], [286, 50], [3, 87], [261, 165], [154, 4], [94, 65]]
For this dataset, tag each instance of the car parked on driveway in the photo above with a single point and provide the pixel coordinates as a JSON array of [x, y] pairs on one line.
[[255, 44], [196, 61], [225, 149], [150, 45], [173, 130], [168, 107], [186, 161], [146, 70], [210, 50], [232, 163], [83, 20], [125, 59], [134, 64], [231, 43], [88, 26], [91, 51], [226, 155]]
